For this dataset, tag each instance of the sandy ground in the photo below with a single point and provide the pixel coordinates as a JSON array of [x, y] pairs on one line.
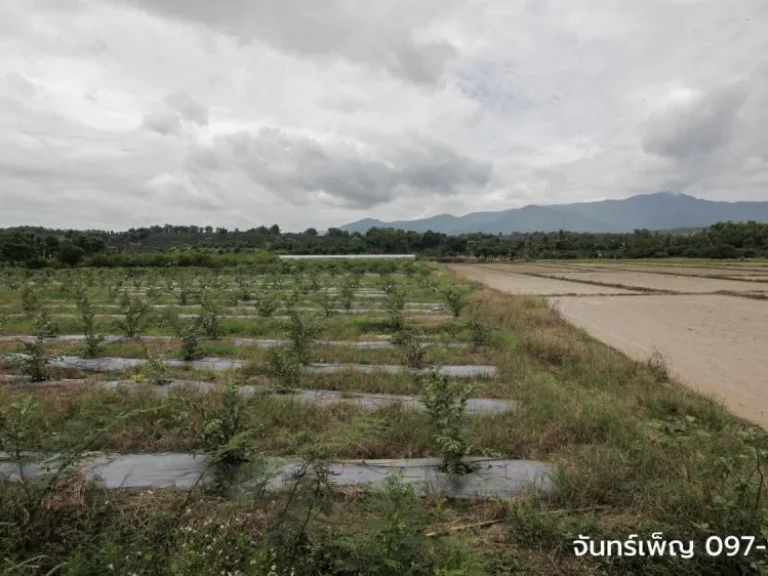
[[528, 268], [665, 282], [715, 344], [691, 270], [498, 278]]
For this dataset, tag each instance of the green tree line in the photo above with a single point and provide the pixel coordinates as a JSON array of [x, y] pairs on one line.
[[207, 246]]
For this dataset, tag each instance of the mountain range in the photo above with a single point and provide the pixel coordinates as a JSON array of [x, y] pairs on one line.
[[659, 211]]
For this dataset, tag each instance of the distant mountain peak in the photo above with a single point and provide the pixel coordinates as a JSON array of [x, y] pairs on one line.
[[664, 210]]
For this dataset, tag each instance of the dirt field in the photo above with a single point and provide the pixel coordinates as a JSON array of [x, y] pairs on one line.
[[716, 344], [666, 269], [729, 267], [684, 284], [498, 278]]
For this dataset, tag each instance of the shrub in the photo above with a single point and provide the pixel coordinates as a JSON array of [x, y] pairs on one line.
[[189, 334], [455, 298], [184, 292], [155, 370], [410, 345], [301, 335], [348, 288], [327, 304], [395, 304], [314, 282], [36, 363], [136, 312], [244, 288], [210, 321], [446, 401], [266, 305], [284, 366], [292, 299], [30, 301], [481, 333], [223, 434], [93, 341]]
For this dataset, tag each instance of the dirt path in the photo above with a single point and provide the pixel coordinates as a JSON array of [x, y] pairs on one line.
[[716, 344]]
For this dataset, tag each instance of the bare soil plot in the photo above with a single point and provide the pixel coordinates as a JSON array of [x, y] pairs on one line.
[[499, 278], [716, 344], [684, 284], [730, 268], [527, 268], [668, 269]]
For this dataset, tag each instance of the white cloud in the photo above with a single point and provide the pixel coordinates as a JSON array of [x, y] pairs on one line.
[[118, 113]]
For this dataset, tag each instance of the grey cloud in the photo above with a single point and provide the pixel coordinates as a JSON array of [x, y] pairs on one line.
[[696, 126], [178, 107], [297, 168], [323, 28], [188, 108], [17, 86], [162, 122]]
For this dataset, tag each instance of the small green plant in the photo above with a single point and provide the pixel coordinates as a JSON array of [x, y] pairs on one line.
[[35, 362], [349, 286], [44, 326], [314, 282], [481, 333], [152, 292], [292, 300], [411, 347], [244, 287], [93, 342], [395, 304], [327, 304], [396, 296], [210, 319], [301, 334], [455, 298], [30, 301], [189, 334], [284, 366], [446, 401], [155, 370], [266, 305], [184, 292], [135, 311], [223, 434]]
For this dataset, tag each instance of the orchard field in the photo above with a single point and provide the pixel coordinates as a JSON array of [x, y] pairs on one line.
[[343, 417]]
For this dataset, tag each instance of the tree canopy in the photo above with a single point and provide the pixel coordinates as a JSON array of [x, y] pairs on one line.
[[197, 245]]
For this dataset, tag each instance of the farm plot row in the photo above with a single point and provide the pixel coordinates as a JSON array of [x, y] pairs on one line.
[[196, 350]]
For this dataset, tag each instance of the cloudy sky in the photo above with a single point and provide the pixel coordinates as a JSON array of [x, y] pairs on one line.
[[237, 113]]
